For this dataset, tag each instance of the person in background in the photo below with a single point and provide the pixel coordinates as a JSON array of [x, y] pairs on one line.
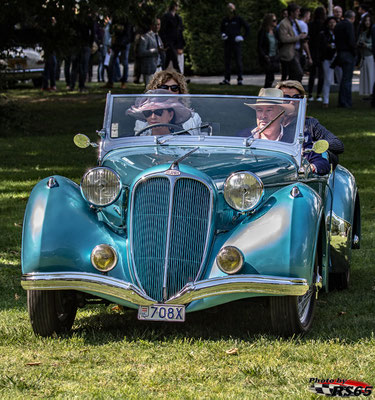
[[363, 11], [99, 37], [367, 75], [328, 54], [373, 53], [305, 53], [291, 38], [49, 72], [121, 37], [346, 54], [171, 34], [294, 89], [316, 69], [337, 13], [234, 29], [84, 28], [268, 52], [149, 50]]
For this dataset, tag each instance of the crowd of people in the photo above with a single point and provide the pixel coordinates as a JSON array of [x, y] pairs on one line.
[[106, 41], [326, 47]]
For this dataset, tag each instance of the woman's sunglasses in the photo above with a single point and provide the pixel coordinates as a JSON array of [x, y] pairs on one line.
[[158, 112], [295, 96], [173, 88]]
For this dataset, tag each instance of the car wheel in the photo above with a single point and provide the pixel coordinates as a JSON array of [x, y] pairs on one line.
[[51, 311], [294, 314]]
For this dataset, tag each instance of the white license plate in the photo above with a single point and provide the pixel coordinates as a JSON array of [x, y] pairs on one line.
[[162, 312]]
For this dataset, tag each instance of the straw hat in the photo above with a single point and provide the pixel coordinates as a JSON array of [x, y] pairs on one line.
[[181, 112], [277, 100]]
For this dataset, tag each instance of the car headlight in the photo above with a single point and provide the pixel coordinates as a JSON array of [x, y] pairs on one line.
[[230, 259], [104, 257], [101, 186], [243, 191]]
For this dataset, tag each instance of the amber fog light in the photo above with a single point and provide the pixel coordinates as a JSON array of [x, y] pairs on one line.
[[229, 259], [103, 258]]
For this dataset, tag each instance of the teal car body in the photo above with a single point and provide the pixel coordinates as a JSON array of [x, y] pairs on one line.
[[169, 220]]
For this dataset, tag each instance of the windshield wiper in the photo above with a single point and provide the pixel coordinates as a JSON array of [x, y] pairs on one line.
[[247, 144], [159, 141]]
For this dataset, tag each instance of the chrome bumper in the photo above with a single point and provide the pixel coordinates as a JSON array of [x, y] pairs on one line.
[[100, 284]]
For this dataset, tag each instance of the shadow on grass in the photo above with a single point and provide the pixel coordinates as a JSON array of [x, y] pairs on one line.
[[240, 319], [243, 320]]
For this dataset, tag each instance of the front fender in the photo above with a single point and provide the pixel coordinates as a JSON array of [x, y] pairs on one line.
[[60, 230], [280, 239]]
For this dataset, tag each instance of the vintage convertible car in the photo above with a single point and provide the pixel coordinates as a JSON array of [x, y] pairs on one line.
[[187, 210]]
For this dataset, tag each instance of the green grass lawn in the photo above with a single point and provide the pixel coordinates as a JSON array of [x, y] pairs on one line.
[[111, 355]]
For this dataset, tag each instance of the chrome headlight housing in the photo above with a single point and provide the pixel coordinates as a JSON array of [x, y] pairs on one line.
[[243, 190], [101, 186]]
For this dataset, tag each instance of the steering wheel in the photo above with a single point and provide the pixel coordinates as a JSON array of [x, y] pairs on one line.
[[146, 128]]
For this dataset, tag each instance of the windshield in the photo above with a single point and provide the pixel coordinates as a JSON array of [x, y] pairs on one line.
[[247, 117]]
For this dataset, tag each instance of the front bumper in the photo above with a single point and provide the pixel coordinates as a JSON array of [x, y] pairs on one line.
[[117, 289]]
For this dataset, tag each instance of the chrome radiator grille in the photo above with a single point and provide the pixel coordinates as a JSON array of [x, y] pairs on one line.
[[169, 232]]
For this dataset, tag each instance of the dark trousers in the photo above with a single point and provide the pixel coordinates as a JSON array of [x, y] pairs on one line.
[[346, 60], [49, 73], [270, 77], [293, 68], [284, 70], [316, 69], [171, 55], [67, 65], [80, 66], [232, 47], [112, 65]]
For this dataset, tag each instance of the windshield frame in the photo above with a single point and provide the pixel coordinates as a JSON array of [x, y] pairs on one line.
[[108, 143]]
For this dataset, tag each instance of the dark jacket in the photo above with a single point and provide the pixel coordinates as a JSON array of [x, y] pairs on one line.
[[263, 44], [232, 27], [345, 37], [171, 31], [315, 28], [327, 45]]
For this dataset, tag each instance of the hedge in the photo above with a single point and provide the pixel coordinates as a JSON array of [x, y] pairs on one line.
[[204, 48]]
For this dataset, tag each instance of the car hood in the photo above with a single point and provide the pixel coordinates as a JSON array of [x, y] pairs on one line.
[[217, 162]]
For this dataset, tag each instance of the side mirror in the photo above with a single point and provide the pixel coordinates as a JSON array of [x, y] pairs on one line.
[[320, 146], [82, 141]]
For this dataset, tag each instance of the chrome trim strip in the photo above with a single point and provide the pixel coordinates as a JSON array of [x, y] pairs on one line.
[[262, 284], [101, 284], [172, 184], [85, 282]]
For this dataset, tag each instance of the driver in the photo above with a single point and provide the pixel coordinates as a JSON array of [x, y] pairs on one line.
[[166, 113], [271, 115]]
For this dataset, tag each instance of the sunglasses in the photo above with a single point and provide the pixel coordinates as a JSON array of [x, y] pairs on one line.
[[158, 112], [173, 88], [295, 96], [274, 20]]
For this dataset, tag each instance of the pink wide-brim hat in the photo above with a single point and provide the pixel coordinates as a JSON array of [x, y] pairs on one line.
[[181, 112]]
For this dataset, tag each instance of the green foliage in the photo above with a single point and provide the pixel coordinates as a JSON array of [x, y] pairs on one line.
[[202, 20]]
